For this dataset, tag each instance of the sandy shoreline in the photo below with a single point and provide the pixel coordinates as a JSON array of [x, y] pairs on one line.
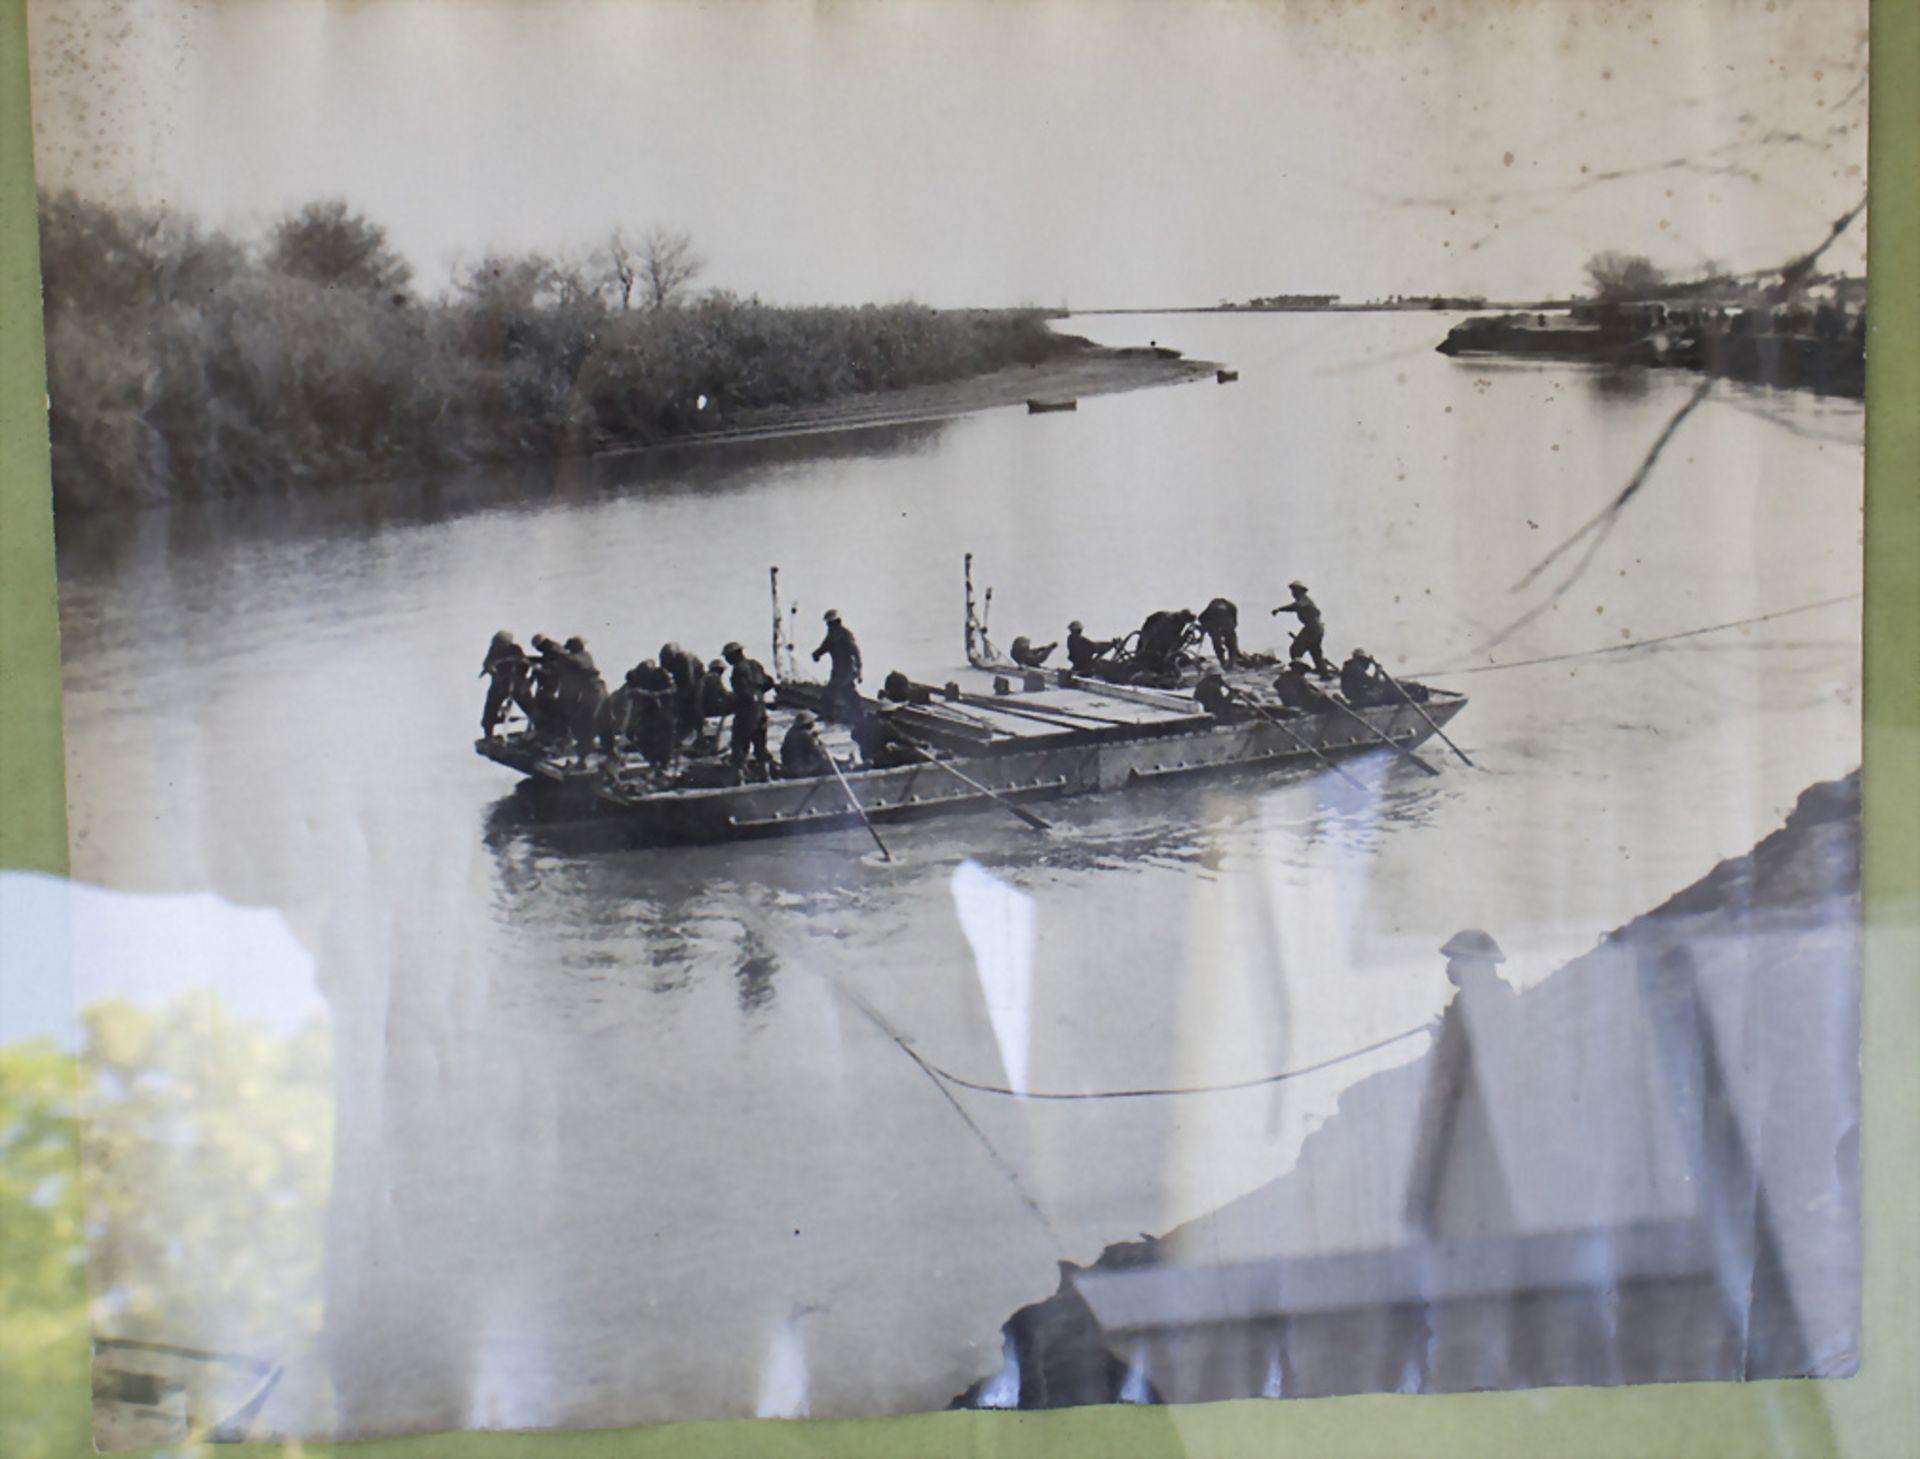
[[1092, 371]]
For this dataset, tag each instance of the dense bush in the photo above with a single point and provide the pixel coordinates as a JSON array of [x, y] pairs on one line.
[[182, 364]]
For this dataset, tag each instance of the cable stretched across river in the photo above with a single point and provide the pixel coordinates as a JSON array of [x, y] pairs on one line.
[[1092, 1094], [1614, 648]]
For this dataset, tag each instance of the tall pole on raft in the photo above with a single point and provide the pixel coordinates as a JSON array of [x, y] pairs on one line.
[[773, 583], [971, 653]]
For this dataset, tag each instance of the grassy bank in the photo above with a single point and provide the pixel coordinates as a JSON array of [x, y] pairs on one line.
[[183, 363]]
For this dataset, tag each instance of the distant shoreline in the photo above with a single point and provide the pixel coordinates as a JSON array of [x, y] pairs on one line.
[[1088, 371], [1419, 306], [1749, 348]]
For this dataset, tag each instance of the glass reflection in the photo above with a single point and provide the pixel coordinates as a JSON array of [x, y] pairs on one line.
[[1588, 1178]]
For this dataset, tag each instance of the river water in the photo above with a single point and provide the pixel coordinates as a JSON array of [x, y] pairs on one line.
[[616, 1138]]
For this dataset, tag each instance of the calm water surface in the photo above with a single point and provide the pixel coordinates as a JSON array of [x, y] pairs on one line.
[[614, 1139]]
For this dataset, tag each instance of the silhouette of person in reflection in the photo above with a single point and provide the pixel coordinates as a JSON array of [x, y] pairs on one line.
[[1473, 967]]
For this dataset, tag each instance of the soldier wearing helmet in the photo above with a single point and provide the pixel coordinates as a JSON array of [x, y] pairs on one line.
[[1472, 957], [1363, 682], [506, 669], [801, 753], [842, 698], [1085, 653], [1309, 642], [751, 682]]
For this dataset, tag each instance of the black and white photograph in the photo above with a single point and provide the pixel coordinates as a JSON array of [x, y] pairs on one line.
[[829, 709]]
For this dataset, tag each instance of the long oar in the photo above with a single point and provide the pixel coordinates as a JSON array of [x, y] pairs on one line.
[[1379, 734], [1304, 744], [930, 758], [1414, 705], [854, 801]]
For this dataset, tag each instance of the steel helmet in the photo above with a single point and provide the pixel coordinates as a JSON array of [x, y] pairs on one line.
[[1473, 943]]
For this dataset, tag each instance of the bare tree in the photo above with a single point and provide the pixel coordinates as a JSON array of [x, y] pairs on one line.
[[1623, 277], [621, 259], [668, 263]]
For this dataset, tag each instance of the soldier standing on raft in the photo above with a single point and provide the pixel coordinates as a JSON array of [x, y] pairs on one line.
[[549, 680], [684, 669], [1221, 619], [508, 668], [1162, 637], [1307, 643], [656, 723], [1085, 653], [619, 714], [842, 699], [801, 753], [575, 666], [582, 692], [715, 698], [749, 706]]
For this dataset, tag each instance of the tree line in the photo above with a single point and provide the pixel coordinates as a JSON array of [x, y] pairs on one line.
[[185, 363]]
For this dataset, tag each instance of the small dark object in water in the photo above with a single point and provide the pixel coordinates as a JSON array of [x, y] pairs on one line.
[[1042, 407], [1226, 377]]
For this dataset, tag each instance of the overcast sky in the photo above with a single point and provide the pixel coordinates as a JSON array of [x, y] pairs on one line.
[[1092, 152]]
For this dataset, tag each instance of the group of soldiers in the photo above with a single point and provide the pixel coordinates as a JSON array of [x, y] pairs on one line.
[[1152, 655], [660, 705], [672, 705]]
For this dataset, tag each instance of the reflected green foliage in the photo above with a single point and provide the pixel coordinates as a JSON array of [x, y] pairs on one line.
[[178, 1170], [43, 1336], [183, 363], [206, 1145]]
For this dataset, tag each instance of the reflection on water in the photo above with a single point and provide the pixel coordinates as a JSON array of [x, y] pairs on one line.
[[355, 508], [1620, 383], [603, 1123]]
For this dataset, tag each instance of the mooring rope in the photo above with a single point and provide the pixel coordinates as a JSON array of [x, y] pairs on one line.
[[1614, 648], [905, 1045], [1088, 1094]]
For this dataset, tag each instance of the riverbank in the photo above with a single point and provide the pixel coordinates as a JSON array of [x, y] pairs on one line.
[[1081, 370], [187, 365], [1624, 1116], [1757, 355]]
